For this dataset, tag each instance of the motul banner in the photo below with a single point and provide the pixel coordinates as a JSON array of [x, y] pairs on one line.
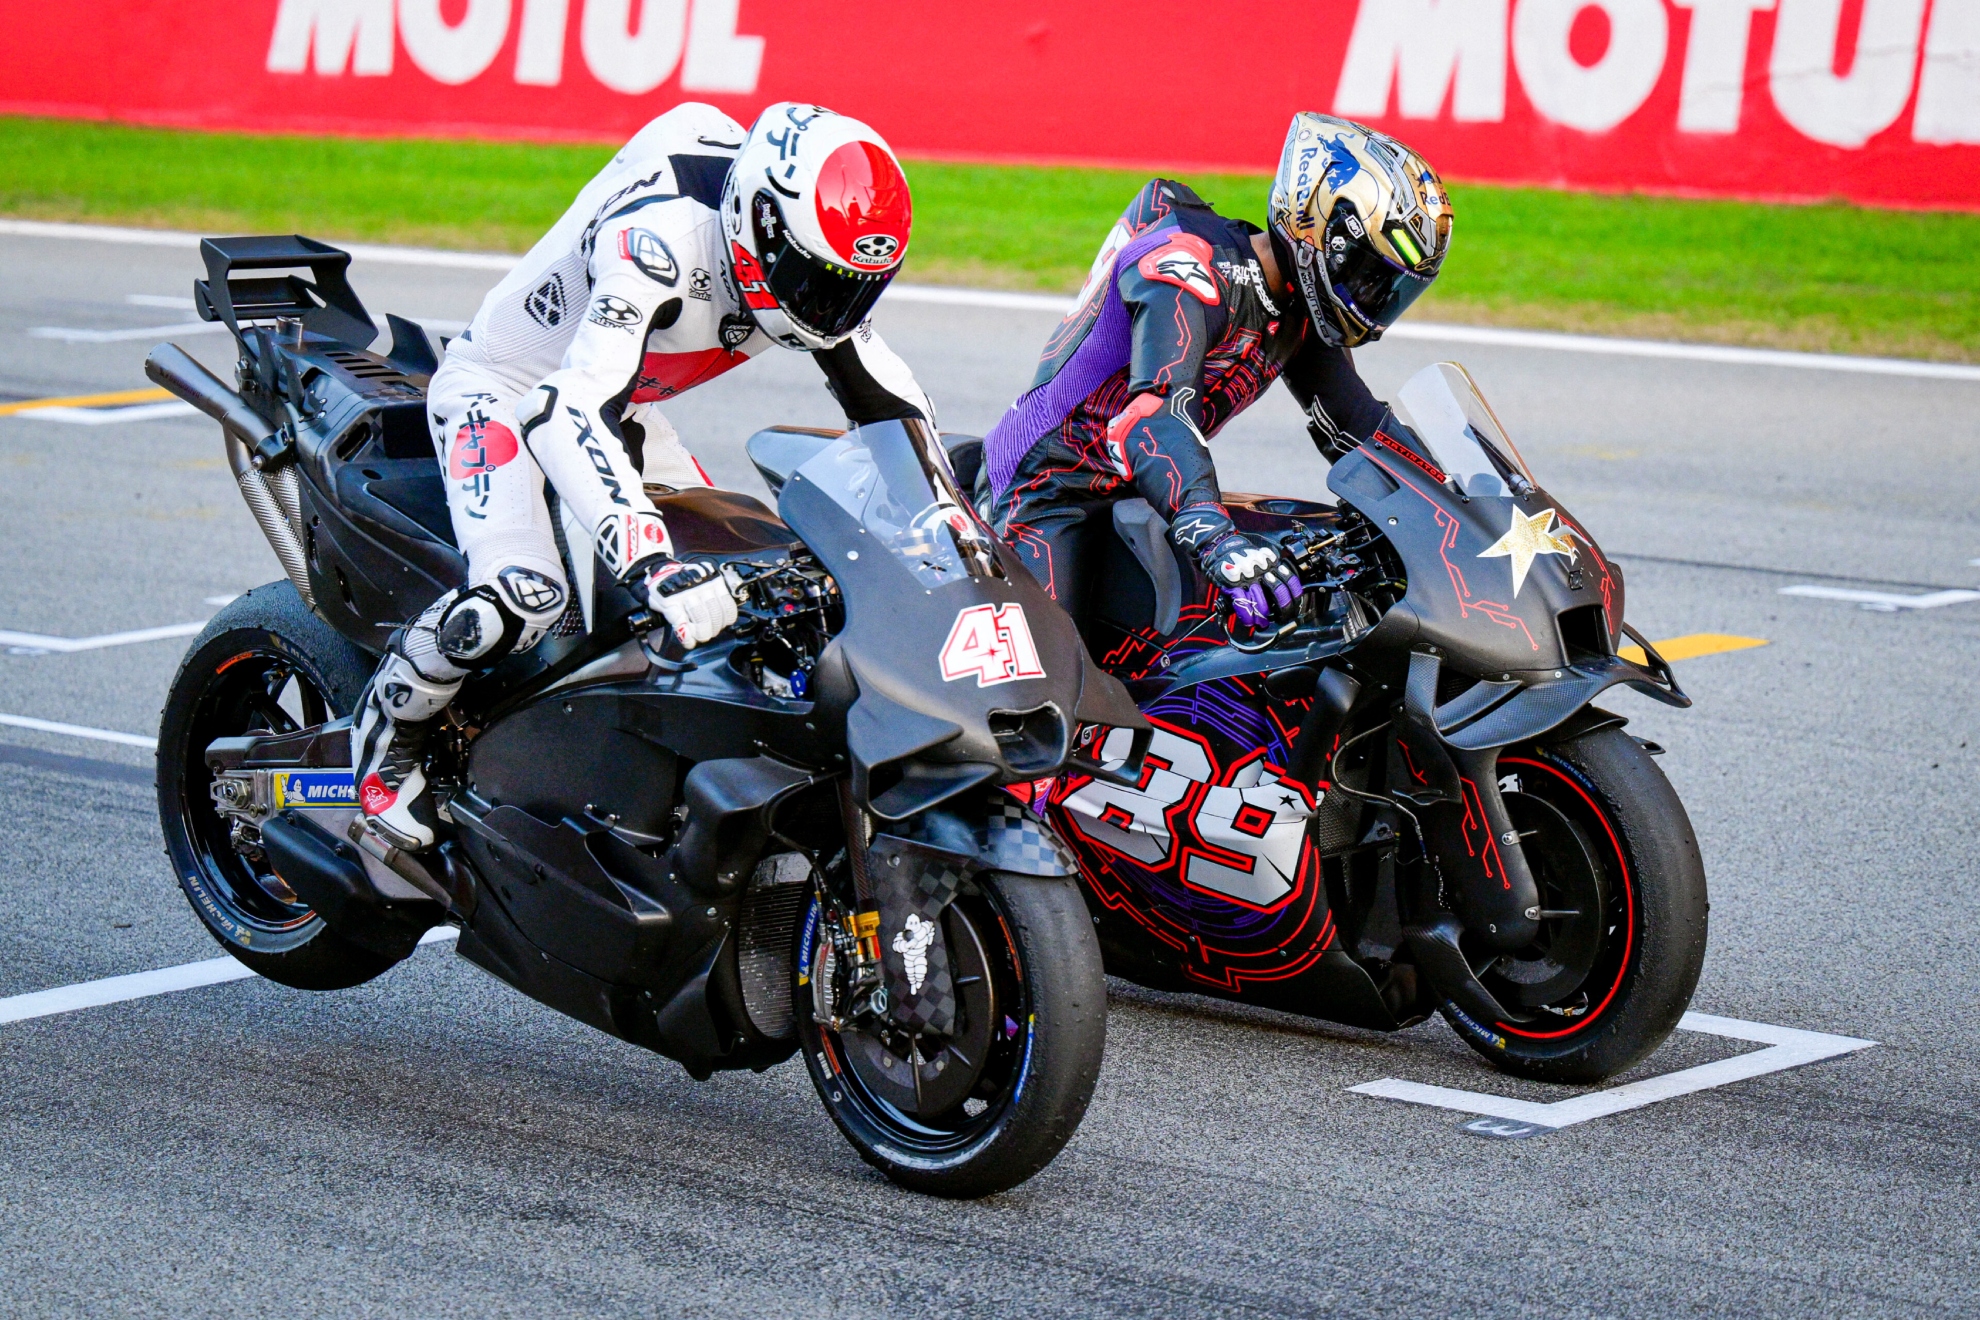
[[1873, 100]]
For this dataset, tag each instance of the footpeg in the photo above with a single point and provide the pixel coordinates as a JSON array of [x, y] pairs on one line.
[[374, 842]]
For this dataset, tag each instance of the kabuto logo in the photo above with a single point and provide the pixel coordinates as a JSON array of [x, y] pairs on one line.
[[613, 313], [875, 249], [699, 282], [545, 303], [530, 591], [648, 251]]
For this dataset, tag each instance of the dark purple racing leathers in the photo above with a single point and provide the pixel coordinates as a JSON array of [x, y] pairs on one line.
[[1174, 334]]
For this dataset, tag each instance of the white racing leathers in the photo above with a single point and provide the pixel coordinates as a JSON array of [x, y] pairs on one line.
[[626, 302]]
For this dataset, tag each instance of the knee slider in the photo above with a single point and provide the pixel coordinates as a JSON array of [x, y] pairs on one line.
[[485, 623]]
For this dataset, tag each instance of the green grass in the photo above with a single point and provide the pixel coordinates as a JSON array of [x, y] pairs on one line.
[[1833, 277]]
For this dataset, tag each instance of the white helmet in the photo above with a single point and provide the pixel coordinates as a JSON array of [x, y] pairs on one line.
[[817, 216]]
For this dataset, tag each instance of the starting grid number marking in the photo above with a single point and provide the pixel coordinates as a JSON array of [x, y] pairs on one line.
[[1505, 1118], [145, 985]]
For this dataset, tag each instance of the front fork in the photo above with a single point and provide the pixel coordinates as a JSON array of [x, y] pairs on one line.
[[855, 934], [1479, 885]]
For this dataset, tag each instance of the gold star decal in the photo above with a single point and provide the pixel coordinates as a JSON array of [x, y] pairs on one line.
[[1529, 536]]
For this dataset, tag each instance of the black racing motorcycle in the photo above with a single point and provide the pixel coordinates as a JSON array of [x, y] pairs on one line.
[[795, 838], [1403, 802]]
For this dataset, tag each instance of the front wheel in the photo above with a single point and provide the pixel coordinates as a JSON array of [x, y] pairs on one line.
[[1614, 852], [986, 1107]]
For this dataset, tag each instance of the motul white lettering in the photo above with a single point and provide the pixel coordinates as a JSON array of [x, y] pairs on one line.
[[1845, 110], [1426, 50], [1949, 88], [540, 46], [1715, 63], [337, 29], [628, 61], [718, 60], [453, 53], [1593, 98]]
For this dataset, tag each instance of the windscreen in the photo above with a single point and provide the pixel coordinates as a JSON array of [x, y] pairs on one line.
[[887, 477], [1443, 406]]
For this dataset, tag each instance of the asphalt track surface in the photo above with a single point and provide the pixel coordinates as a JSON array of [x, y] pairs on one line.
[[435, 1142]]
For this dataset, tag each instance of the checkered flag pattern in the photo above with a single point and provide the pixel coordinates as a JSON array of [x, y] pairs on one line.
[[913, 889], [1015, 840]]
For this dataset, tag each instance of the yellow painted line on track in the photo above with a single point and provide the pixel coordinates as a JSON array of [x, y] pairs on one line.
[[1691, 646], [87, 401]]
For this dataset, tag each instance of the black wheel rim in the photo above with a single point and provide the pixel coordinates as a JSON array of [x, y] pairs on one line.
[[1575, 971], [966, 1083], [257, 691]]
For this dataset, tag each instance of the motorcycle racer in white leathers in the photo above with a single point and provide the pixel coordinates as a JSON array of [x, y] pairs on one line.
[[698, 246]]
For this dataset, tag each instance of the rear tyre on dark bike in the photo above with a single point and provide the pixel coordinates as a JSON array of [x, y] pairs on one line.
[[1609, 843], [264, 664], [986, 1108]]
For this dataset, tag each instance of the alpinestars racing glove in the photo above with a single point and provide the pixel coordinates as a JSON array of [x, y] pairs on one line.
[[1262, 587], [693, 597]]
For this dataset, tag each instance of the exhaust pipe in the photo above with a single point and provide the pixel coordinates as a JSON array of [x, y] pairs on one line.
[[279, 519]]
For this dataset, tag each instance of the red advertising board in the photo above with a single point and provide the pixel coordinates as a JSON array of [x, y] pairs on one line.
[[1873, 100]]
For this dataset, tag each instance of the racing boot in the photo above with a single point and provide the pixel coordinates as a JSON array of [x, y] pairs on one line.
[[465, 630]]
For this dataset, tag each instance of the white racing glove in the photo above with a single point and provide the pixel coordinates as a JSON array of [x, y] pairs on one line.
[[693, 597]]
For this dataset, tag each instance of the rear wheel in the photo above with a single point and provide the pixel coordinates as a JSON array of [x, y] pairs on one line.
[[987, 1107], [1613, 851], [264, 664]]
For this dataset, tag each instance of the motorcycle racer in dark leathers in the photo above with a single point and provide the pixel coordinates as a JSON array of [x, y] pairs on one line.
[[1185, 319], [696, 248]]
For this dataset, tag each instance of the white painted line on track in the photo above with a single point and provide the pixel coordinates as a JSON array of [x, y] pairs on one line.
[[28, 641], [1787, 1047], [141, 412], [77, 335], [403, 256], [73, 335], [1044, 302], [78, 731], [1887, 601], [1495, 337], [144, 985], [1657, 348], [947, 296]]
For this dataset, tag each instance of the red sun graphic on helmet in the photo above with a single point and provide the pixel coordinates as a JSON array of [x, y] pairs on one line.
[[817, 215], [863, 206]]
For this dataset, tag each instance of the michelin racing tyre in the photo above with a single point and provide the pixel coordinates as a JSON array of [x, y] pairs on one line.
[[264, 664], [1611, 845], [993, 1103]]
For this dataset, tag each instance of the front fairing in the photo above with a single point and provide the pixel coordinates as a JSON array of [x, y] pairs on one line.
[[1501, 575], [1511, 583], [962, 669], [1505, 587]]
